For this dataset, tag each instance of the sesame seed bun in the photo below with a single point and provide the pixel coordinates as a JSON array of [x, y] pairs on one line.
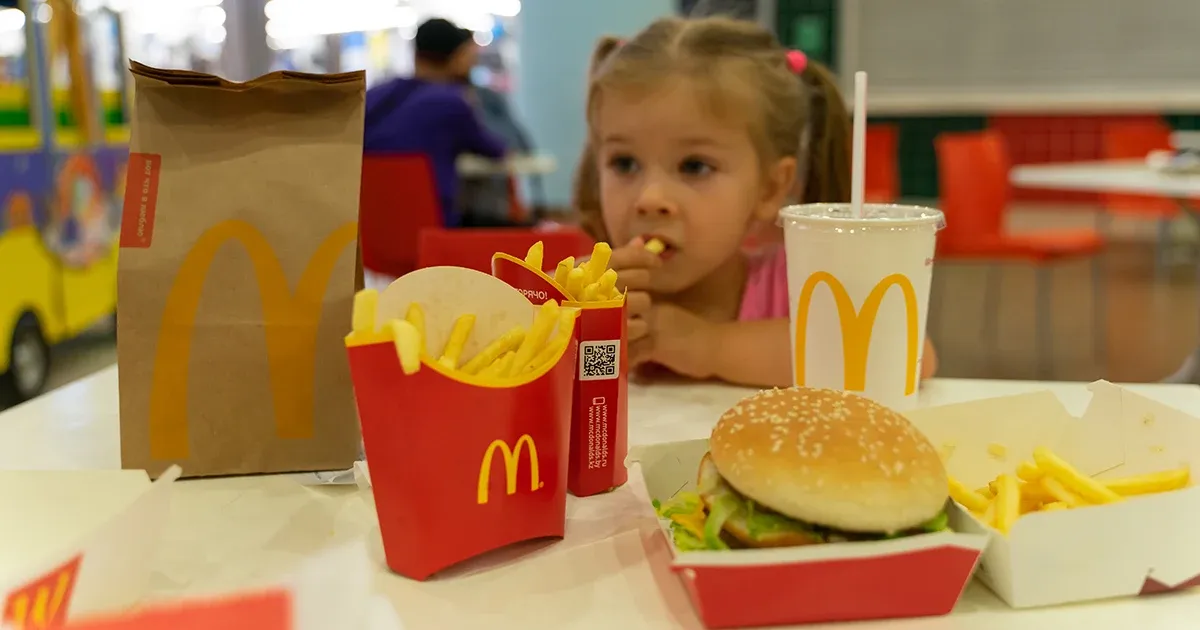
[[830, 458]]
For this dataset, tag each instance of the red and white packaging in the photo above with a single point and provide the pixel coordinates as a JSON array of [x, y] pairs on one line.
[[84, 542], [915, 576], [448, 452], [600, 408], [1140, 546]]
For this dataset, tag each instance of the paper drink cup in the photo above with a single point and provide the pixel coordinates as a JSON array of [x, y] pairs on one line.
[[859, 293]]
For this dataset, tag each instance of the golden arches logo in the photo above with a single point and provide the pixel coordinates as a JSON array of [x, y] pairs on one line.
[[857, 327], [290, 325], [512, 462]]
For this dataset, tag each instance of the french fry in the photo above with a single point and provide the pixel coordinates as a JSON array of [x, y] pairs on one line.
[[989, 515], [591, 292], [985, 492], [606, 283], [494, 350], [458, 338], [498, 367], [1164, 481], [598, 263], [408, 344], [562, 337], [366, 303], [539, 331], [1008, 502], [655, 246], [1061, 493], [615, 294], [575, 283], [564, 268], [1028, 471], [1054, 505], [966, 497], [416, 316], [533, 257], [1088, 488]]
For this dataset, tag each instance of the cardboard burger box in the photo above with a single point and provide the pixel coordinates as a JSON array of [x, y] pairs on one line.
[[915, 576], [85, 542], [1139, 546], [600, 402], [447, 450]]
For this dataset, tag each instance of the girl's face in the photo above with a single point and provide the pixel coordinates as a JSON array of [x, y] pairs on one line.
[[672, 169]]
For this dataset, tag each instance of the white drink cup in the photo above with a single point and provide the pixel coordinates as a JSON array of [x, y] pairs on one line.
[[859, 293]]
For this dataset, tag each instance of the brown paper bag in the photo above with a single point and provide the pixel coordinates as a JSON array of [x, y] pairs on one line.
[[237, 273]]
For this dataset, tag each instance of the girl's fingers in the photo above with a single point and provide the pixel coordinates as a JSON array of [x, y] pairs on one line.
[[633, 280], [640, 352], [637, 303], [634, 256], [636, 329]]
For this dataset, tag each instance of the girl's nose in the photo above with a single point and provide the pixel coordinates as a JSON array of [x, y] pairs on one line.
[[653, 203]]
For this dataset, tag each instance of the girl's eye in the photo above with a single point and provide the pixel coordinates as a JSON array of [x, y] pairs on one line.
[[623, 164], [695, 167]]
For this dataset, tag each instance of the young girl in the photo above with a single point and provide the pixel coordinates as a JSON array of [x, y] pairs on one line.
[[699, 131]]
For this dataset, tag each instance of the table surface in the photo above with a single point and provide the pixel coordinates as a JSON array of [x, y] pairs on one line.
[[533, 164], [1107, 177], [235, 532]]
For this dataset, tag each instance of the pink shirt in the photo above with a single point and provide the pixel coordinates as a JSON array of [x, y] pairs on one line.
[[766, 295]]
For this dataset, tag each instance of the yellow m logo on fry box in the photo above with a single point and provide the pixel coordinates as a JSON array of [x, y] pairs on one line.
[[857, 327], [290, 325], [512, 462]]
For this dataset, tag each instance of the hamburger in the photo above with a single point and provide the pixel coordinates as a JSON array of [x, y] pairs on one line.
[[799, 466]]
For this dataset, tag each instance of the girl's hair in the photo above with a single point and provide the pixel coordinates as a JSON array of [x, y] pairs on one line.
[[717, 51]]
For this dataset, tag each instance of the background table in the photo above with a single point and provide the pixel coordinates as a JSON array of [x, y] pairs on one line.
[[240, 531], [535, 164], [1131, 177]]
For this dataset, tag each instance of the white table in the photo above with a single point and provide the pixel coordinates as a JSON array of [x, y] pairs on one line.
[[1128, 177], [475, 166], [233, 532]]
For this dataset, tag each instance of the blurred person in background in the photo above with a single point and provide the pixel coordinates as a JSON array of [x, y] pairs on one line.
[[430, 114], [487, 195]]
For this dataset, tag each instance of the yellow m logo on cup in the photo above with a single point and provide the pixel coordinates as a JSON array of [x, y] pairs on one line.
[[512, 461], [290, 321], [857, 327]]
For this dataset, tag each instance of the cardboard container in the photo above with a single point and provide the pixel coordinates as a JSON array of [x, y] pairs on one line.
[[85, 541], [433, 438], [906, 577], [1142, 545], [600, 406]]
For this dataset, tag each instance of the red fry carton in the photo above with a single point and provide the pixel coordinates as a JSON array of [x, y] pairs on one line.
[[600, 406], [916, 576], [448, 451], [1139, 546], [85, 542]]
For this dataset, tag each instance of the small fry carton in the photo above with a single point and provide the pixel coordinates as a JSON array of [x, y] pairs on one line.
[[451, 444], [1141, 543], [600, 407], [915, 576], [85, 542]]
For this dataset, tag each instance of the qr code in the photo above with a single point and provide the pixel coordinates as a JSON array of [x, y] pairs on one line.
[[599, 360]]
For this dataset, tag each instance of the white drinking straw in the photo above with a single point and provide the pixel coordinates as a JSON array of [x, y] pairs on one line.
[[859, 154]]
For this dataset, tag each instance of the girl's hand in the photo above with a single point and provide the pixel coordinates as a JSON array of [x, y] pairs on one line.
[[633, 265], [682, 341]]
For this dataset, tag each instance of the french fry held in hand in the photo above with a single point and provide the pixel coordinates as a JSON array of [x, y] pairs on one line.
[[504, 359], [655, 246], [1049, 483]]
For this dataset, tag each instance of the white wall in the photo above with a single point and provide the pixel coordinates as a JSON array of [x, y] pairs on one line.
[[557, 37]]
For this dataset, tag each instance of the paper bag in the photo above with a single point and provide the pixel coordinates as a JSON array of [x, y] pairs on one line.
[[237, 272]]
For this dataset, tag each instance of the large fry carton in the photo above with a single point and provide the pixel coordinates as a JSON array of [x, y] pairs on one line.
[[459, 467], [1139, 546], [600, 408], [84, 542], [906, 577]]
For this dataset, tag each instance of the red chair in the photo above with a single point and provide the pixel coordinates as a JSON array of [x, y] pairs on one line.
[[473, 248], [882, 181], [973, 170], [1134, 140], [398, 199]]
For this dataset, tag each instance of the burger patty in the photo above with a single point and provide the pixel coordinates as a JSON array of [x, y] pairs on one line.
[[750, 524]]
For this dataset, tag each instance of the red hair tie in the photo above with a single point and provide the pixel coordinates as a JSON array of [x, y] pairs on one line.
[[797, 61]]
